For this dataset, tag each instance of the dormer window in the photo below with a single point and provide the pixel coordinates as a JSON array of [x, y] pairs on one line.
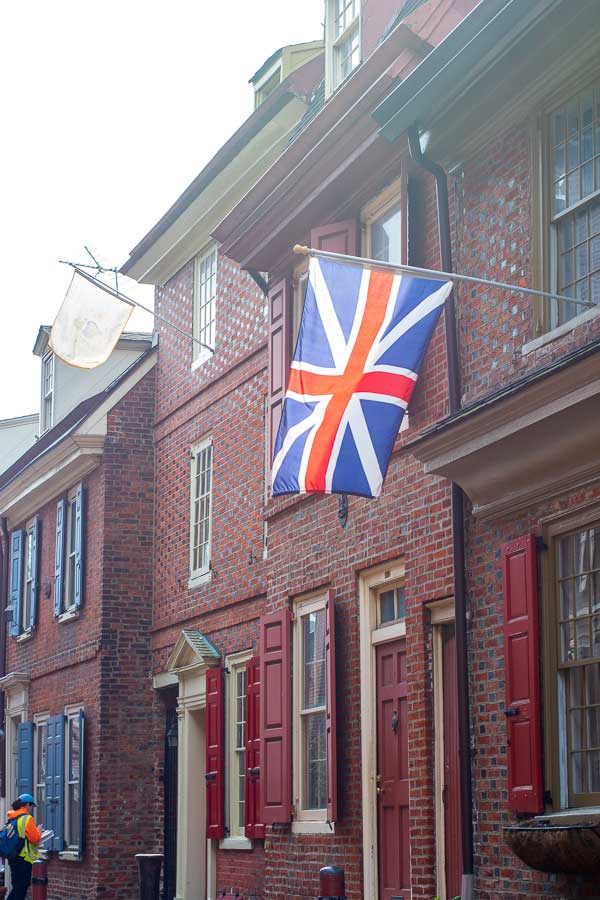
[[47, 391], [343, 40], [267, 84]]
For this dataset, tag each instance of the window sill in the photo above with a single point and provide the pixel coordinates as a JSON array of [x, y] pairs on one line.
[[69, 615], [305, 827], [202, 357], [70, 855], [559, 332], [235, 843], [24, 636], [571, 816], [197, 580]]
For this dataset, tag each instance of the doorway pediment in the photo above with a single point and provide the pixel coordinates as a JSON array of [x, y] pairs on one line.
[[192, 650]]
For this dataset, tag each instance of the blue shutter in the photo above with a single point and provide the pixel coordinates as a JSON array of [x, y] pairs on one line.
[[59, 565], [25, 758], [35, 567], [55, 779], [16, 580], [81, 776], [79, 547]]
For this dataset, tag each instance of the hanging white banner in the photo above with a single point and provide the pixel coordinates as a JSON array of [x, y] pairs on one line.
[[89, 323]]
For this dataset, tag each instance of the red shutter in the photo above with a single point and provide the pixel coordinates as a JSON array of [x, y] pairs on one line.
[[279, 355], [215, 806], [331, 718], [338, 237], [521, 655], [254, 815], [276, 717]]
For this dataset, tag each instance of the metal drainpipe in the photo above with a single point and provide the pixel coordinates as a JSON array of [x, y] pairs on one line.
[[4, 557], [458, 520]]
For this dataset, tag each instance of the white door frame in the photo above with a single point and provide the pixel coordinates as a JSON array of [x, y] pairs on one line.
[[442, 614], [370, 637]]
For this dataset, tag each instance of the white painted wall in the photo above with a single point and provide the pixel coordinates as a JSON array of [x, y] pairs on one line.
[[72, 385]]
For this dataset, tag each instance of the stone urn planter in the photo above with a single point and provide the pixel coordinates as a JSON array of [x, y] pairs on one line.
[[561, 849]]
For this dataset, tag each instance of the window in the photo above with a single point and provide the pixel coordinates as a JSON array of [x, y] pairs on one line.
[[201, 509], [266, 87], [24, 578], [574, 173], [39, 761], [72, 778], [51, 765], [69, 553], [576, 665], [391, 605], [69, 592], [383, 221], [47, 391], [205, 292], [28, 568], [343, 40], [237, 688], [311, 741]]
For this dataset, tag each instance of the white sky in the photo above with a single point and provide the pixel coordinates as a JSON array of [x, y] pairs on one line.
[[109, 110]]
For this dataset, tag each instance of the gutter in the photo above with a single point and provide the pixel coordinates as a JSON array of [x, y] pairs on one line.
[[458, 524]]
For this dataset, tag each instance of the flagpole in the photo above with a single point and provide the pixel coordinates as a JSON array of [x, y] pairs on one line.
[[128, 300], [435, 275]]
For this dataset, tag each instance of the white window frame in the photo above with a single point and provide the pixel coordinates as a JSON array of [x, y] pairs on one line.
[[236, 839], [204, 326], [202, 574], [47, 405], [393, 195], [72, 849], [267, 80], [24, 609], [39, 723], [333, 77], [68, 597], [305, 819]]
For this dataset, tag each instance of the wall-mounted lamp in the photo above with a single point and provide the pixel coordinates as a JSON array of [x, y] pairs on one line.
[[172, 736]]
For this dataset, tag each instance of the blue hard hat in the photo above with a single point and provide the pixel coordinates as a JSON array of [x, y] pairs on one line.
[[26, 798]]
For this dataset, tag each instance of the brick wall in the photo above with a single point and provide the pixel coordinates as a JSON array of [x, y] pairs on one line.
[[101, 660]]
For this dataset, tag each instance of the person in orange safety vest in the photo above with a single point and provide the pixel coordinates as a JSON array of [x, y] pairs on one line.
[[21, 865]]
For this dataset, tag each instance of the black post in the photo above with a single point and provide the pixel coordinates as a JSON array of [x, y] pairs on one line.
[[149, 866]]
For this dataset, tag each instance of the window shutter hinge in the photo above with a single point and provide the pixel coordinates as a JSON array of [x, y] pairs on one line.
[[540, 545]]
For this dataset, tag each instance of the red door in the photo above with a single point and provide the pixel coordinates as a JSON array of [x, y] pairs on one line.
[[451, 789], [392, 772]]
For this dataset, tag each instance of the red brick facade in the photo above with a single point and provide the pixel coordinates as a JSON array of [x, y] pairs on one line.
[[100, 659]]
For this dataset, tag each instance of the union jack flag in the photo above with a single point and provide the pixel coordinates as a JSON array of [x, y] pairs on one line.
[[362, 338]]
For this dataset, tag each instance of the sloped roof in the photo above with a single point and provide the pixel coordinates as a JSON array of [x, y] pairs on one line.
[[68, 424]]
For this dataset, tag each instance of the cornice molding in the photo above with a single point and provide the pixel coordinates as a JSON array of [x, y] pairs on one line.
[[523, 448]]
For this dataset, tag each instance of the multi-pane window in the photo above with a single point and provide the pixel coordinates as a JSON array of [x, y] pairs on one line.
[[205, 292], [343, 39], [574, 134], [70, 552], [312, 750], [386, 236], [201, 508], [47, 391], [578, 621], [28, 578], [40, 763], [391, 605], [72, 780], [267, 87], [238, 752]]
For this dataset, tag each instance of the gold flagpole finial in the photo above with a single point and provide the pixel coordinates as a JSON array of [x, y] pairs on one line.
[[302, 251]]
